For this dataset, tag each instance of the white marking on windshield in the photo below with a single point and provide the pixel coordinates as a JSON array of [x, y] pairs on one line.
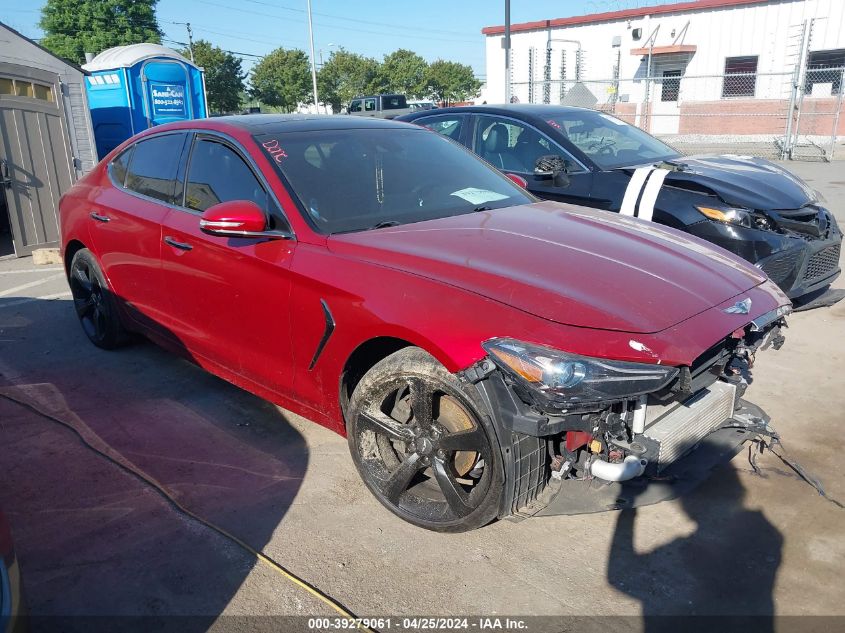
[[478, 196]]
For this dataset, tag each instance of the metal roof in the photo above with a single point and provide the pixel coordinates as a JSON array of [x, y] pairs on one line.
[[129, 55], [624, 14]]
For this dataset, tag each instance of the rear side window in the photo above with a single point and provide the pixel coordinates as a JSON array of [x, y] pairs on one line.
[[152, 168], [218, 174], [393, 102], [120, 165], [446, 125]]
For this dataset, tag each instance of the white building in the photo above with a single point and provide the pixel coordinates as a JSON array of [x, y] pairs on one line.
[[715, 66]]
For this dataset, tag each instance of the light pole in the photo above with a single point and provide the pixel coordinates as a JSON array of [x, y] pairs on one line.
[[313, 62], [320, 51], [506, 44], [187, 26]]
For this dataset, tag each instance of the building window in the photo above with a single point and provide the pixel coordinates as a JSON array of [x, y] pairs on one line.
[[21, 88], [671, 85], [825, 67], [740, 76]]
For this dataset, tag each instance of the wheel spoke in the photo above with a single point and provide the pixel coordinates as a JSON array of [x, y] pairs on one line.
[[378, 422], [471, 440], [83, 279], [422, 401], [400, 478], [84, 306], [99, 319], [457, 499]]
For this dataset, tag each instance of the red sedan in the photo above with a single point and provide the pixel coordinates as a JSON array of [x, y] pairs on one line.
[[486, 354]]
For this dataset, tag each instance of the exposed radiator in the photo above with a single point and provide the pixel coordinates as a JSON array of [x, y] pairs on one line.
[[680, 428]]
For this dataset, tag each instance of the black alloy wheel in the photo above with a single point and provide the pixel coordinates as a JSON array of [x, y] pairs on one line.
[[94, 303], [421, 446]]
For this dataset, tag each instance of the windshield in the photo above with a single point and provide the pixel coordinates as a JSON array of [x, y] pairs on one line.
[[357, 179], [608, 141]]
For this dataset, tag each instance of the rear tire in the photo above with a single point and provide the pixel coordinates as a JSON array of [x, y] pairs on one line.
[[423, 446], [95, 303]]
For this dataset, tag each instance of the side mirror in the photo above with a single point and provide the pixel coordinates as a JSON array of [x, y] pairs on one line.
[[554, 167], [236, 218], [519, 180]]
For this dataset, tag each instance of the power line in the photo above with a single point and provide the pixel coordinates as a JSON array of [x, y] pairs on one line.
[[329, 26], [358, 20], [238, 35], [238, 53]]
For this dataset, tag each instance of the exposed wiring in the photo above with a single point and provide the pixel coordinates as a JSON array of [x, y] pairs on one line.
[[775, 442], [160, 488]]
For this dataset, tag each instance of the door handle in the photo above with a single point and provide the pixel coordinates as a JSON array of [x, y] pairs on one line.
[[99, 218], [5, 178], [182, 246]]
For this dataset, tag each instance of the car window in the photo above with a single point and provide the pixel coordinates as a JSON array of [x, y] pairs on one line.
[[119, 166], [515, 147], [608, 141], [355, 179], [355, 106], [393, 102], [447, 125], [218, 174], [152, 167], [369, 105]]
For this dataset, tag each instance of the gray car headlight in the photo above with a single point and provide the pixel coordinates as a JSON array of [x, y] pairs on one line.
[[574, 379]]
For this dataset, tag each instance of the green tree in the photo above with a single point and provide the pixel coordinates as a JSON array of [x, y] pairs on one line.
[[451, 81], [75, 27], [344, 76], [403, 71], [224, 77], [283, 79]]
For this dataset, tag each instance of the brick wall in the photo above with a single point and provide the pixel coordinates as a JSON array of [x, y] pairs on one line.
[[757, 116]]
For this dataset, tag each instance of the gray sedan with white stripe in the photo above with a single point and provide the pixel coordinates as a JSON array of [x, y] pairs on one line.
[[750, 206]]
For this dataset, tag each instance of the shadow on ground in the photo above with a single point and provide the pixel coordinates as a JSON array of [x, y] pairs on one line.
[[91, 538], [726, 567]]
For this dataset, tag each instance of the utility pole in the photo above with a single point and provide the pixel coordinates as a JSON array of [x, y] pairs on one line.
[[190, 39], [506, 44], [313, 62], [187, 26]]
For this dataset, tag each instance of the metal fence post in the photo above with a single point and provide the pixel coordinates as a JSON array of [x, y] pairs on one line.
[[839, 103], [786, 148]]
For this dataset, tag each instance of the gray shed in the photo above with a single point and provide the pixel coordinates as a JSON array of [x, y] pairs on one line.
[[46, 141]]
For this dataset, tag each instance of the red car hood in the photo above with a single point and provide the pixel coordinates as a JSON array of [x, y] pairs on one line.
[[569, 264]]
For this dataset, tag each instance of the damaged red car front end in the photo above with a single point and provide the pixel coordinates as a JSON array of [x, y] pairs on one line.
[[620, 380]]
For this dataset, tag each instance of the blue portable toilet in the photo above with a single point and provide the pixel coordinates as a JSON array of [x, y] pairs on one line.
[[131, 88]]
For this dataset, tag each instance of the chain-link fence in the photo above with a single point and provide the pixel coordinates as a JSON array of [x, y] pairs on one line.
[[774, 115]]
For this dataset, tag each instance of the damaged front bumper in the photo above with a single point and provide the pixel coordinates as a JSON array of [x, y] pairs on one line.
[[571, 496], [629, 452], [680, 449], [801, 259]]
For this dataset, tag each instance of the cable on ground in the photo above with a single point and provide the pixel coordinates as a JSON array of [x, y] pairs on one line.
[[162, 490]]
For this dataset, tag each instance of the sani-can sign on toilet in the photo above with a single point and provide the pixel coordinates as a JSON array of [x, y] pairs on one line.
[[168, 100]]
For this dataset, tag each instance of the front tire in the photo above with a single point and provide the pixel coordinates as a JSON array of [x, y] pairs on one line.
[[95, 304], [423, 446]]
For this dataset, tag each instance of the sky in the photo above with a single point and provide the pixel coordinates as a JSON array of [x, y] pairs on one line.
[[448, 29]]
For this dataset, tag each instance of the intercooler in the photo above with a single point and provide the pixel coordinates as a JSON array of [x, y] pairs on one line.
[[678, 427]]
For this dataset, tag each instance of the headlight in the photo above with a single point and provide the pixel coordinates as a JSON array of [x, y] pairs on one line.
[[732, 215], [575, 379]]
